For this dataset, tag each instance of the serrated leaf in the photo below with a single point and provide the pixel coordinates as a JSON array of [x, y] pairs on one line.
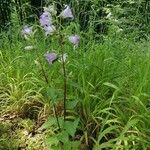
[[63, 136], [71, 127]]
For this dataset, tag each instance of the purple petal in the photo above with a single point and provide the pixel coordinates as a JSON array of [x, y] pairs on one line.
[[26, 30], [51, 57], [45, 19], [49, 29], [74, 39]]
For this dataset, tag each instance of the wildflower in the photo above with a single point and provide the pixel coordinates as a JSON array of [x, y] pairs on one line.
[[66, 13], [49, 30], [30, 47], [26, 30], [46, 19], [46, 23], [74, 39], [51, 57]]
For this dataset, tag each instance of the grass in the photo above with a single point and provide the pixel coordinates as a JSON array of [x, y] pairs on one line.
[[108, 88]]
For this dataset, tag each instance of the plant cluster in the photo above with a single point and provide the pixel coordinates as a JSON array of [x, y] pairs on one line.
[[61, 88]]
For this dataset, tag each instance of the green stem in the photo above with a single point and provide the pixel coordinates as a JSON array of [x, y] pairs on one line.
[[47, 81]]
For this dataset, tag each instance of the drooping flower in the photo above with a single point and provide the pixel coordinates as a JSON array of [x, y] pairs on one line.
[[74, 39], [45, 19], [26, 30], [66, 13], [49, 30], [46, 23], [51, 57]]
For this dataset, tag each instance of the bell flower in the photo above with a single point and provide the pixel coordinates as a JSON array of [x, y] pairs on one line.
[[66, 13], [74, 39], [45, 19], [26, 30], [49, 30], [51, 57]]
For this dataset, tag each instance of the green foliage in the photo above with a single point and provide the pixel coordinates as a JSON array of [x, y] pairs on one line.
[[108, 90], [108, 83], [98, 16]]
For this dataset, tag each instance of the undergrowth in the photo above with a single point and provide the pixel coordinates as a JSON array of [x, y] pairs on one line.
[[98, 97], [108, 96]]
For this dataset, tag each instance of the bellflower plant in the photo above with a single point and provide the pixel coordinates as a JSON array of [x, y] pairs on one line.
[[66, 13], [46, 22]]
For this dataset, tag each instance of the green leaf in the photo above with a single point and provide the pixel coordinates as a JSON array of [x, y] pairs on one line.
[[52, 140], [54, 147], [67, 146], [71, 145], [75, 85], [107, 131], [54, 94], [111, 85], [75, 145], [131, 123], [71, 104], [63, 136], [50, 122], [71, 127]]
